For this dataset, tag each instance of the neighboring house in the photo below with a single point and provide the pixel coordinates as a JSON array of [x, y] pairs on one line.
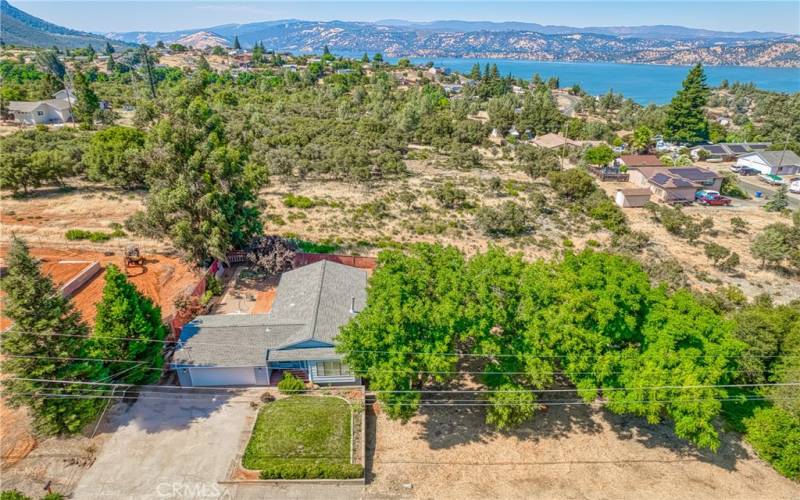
[[40, 112], [675, 184], [452, 88], [638, 161], [554, 141], [771, 162], [63, 94], [632, 197], [728, 151], [298, 335]]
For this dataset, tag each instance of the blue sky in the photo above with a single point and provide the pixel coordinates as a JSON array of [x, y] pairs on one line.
[[108, 15]]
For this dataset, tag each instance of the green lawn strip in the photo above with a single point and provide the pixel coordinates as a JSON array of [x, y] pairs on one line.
[[300, 430]]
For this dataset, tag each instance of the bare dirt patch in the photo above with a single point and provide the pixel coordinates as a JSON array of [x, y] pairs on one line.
[[247, 292], [564, 452]]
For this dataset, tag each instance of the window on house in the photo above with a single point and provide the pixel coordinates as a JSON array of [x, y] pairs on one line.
[[708, 182], [332, 368], [40, 113]]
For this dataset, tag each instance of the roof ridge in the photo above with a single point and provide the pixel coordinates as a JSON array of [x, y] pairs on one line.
[[319, 297]]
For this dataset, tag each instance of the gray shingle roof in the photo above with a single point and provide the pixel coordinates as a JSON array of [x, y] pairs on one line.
[[320, 296], [311, 303], [28, 106], [779, 158]]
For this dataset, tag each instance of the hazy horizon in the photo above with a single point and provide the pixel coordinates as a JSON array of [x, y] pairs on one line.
[[119, 16]]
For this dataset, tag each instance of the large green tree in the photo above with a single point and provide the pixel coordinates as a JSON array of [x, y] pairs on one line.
[[539, 113], [686, 120], [202, 194], [45, 342], [87, 103], [128, 327], [114, 156], [414, 315]]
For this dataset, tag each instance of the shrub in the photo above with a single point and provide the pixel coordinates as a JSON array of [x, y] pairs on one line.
[[448, 195], [716, 252], [632, 241], [271, 254], [77, 234], [603, 209], [730, 188], [298, 201], [95, 236], [508, 220], [775, 435], [290, 384], [574, 184], [321, 470], [739, 225], [213, 285], [13, 495]]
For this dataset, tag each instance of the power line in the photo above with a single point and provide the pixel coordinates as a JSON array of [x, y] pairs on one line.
[[442, 403], [66, 358], [410, 353], [424, 391], [369, 371]]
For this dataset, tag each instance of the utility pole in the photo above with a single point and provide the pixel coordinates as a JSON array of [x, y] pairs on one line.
[[149, 68]]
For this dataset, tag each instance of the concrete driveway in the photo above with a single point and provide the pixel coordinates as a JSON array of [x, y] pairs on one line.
[[170, 445]]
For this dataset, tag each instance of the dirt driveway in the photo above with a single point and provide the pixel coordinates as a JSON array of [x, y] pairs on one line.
[[566, 452], [170, 446]]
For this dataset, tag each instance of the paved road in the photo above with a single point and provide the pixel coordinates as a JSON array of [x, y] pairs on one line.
[[751, 185]]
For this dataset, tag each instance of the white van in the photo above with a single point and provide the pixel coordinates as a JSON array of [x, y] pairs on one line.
[[794, 186]]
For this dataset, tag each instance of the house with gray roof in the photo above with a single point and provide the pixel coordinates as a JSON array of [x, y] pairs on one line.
[[727, 151], [771, 162], [40, 112], [298, 334]]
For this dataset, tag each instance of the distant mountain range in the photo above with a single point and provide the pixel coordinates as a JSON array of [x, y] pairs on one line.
[[441, 39], [662, 44], [20, 28]]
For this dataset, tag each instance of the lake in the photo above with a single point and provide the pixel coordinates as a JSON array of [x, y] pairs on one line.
[[644, 83]]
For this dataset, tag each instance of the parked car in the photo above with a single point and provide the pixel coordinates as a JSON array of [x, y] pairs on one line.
[[794, 186], [747, 171], [711, 198], [772, 179]]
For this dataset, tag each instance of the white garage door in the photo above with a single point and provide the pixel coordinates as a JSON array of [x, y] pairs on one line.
[[223, 376]]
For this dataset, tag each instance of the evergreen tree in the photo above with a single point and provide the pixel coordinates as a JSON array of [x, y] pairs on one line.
[[51, 64], [540, 114], [46, 327], [779, 201], [365, 58], [202, 64], [686, 120], [147, 61], [87, 101], [236, 44], [111, 65], [109, 49], [475, 72], [124, 313]]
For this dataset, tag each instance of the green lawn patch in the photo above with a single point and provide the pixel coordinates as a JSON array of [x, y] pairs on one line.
[[300, 431]]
